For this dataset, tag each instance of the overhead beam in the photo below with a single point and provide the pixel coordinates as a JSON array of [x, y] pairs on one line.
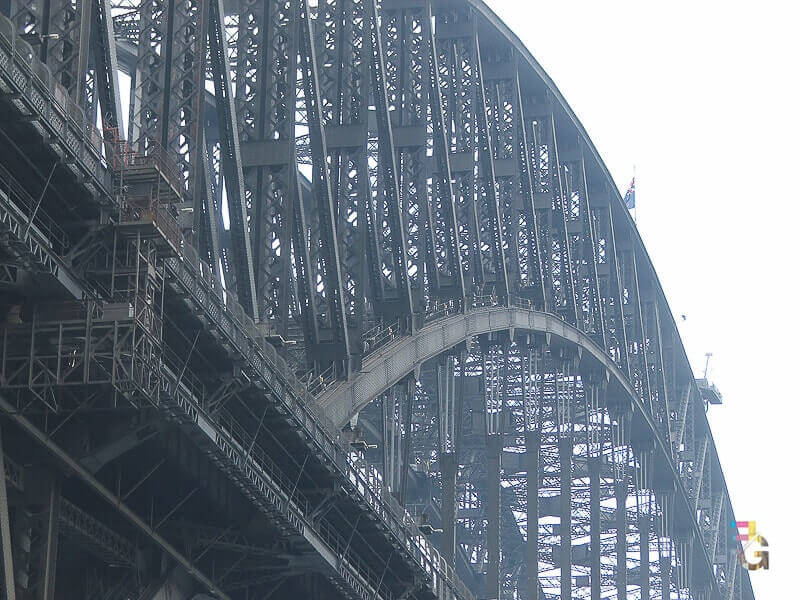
[[86, 477]]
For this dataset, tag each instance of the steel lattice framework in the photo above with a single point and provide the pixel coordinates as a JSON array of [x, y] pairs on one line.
[[344, 304]]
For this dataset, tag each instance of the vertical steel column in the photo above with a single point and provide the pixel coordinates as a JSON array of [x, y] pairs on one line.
[[622, 457], [50, 544], [666, 570], [491, 220], [391, 439], [659, 400], [536, 288], [494, 390], [644, 554], [621, 497], [533, 392], [565, 514], [230, 158], [562, 268], [634, 325], [533, 442], [587, 267], [499, 74], [409, 387], [457, 71], [609, 280], [494, 445], [394, 294], [665, 545], [645, 507], [184, 92], [449, 468], [67, 53], [406, 52], [147, 95], [340, 40], [208, 233], [450, 404], [322, 281], [446, 244], [564, 397], [5, 531], [683, 554], [595, 525], [106, 68], [595, 442], [541, 200], [265, 105], [549, 207]]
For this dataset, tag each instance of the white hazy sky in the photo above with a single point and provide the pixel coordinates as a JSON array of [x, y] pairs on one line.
[[702, 97]]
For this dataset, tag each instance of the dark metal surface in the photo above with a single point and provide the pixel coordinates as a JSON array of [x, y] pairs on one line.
[[356, 311]]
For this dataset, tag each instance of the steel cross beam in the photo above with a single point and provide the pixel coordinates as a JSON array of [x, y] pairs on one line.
[[266, 90], [413, 89], [640, 463], [72, 465], [319, 266], [392, 239], [444, 165]]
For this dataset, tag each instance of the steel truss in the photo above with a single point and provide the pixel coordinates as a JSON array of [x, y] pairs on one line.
[[605, 524], [357, 275]]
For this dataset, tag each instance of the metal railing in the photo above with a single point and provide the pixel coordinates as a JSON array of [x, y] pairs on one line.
[[380, 335], [439, 309], [143, 209], [260, 358], [317, 382], [34, 91], [154, 157], [30, 210], [288, 500]]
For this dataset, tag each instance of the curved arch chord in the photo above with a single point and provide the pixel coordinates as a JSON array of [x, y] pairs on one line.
[[405, 355]]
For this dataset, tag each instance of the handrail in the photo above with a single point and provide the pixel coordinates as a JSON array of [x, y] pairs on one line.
[[380, 335], [486, 304], [317, 382], [292, 501], [259, 353], [28, 207], [56, 115]]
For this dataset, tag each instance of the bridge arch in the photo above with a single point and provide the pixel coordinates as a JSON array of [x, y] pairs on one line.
[[404, 356], [595, 296], [458, 250]]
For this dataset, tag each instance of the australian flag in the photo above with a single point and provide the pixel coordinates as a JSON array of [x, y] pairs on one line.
[[630, 195]]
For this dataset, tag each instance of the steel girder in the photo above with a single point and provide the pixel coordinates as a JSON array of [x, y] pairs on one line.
[[444, 165], [265, 79], [610, 482]]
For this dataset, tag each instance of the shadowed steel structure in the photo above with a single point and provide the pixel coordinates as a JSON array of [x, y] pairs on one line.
[[339, 301]]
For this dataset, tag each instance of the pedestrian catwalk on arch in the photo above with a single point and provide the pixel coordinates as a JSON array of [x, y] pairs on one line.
[[330, 299]]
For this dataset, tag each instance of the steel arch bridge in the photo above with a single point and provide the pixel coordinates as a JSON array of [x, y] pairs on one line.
[[338, 300]]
